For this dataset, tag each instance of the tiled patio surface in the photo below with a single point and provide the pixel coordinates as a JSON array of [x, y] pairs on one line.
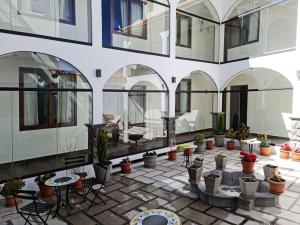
[[167, 187]]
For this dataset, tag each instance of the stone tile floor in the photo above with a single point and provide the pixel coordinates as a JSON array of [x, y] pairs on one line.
[[167, 187]]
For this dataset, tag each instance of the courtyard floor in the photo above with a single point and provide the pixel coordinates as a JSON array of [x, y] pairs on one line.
[[167, 187]]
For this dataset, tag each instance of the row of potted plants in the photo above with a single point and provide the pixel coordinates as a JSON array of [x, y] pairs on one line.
[[286, 152]]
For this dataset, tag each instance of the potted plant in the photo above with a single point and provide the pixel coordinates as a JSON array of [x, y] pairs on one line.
[[104, 166], [296, 155], [125, 165], [231, 143], [195, 173], [78, 184], [243, 135], [172, 155], [199, 141], [265, 148], [212, 183], [277, 184], [45, 191], [248, 162], [248, 186], [209, 144], [150, 159], [269, 170], [198, 162], [221, 162], [219, 136], [9, 189], [285, 151]]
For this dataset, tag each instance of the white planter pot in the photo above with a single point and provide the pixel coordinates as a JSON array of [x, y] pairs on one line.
[[248, 189], [269, 171]]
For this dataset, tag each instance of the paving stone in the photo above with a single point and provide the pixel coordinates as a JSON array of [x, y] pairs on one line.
[[102, 207], [173, 186], [285, 202], [178, 204], [285, 214], [172, 173], [127, 206], [154, 204], [113, 187], [165, 194], [152, 187], [153, 174], [225, 215], [119, 196], [132, 187], [80, 219], [125, 180], [110, 218], [256, 215], [136, 174], [196, 216], [285, 222], [187, 193], [251, 222], [145, 180], [144, 196], [295, 208], [163, 168], [220, 222], [200, 206], [129, 215], [163, 179]]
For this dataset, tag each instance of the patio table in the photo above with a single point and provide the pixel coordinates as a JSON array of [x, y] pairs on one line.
[[157, 217], [58, 183]]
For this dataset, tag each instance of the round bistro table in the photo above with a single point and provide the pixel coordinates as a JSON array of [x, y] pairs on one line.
[[58, 183], [157, 217]]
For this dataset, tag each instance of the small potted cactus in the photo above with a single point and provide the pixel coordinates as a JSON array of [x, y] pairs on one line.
[[269, 170], [296, 155], [248, 162], [212, 183], [285, 151], [265, 148], [277, 184], [172, 155], [231, 143], [221, 162], [200, 142], [125, 165], [249, 187]]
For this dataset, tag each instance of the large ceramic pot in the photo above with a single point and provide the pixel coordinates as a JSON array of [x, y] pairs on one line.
[[265, 151], [100, 172], [46, 191], [219, 140], [221, 162], [172, 155], [248, 187], [230, 145], [200, 148], [209, 145], [212, 183], [284, 154], [296, 156], [276, 187], [248, 167], [269, 171], [10, 201], [150, 161], [195, 174], [126, 167]]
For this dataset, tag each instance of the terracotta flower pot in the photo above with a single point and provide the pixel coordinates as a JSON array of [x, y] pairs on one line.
[[296, 156], [276, 187], [126, 167], [188, 152], [46, 191], [172, 155], [78, 184], [265, 151], [248, 167], [10, 201], [284, 154], [230, 145], [209, 145]]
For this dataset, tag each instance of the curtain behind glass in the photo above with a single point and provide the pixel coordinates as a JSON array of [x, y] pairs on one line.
[[136, 17]]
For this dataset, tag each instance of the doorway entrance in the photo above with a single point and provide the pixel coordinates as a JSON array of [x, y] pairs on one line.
[[238, 105]]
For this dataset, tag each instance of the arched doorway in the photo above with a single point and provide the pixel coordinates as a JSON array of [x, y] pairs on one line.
[[135, 105], [262, 99], [45, 104]]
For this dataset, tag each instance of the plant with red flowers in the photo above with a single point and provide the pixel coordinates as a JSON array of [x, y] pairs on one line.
[[286, 147], [285, 151], [248, 162]]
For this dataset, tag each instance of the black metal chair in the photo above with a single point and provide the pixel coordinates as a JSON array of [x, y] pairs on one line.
[[94, 187], [76, 161], [34, 208]]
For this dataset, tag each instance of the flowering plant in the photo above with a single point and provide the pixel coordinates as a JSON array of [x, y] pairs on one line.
[[297, 150], [125, 161], [286, 147], [247, 157]]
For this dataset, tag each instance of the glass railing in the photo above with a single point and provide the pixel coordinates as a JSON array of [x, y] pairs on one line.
[[136, 25], [67, 19], [261, 32]]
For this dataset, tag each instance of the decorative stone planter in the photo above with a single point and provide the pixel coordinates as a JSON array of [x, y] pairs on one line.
[[150, 161], [277, 187], [249, 187], [221, 162], [284, 154], [198, 162], [100, 172], [10, 201], [212, 183], [230, 145], [46, 191], [195, 174], [209, 145], [265, 151], [269, 171], [296, 156], [248, 167], [200, 148], [172, 155], [219, 140]]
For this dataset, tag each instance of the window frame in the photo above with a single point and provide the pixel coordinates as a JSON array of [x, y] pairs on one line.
[[49, 91], [73, 20], [178, 97], [179, 16], [128, 31]]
